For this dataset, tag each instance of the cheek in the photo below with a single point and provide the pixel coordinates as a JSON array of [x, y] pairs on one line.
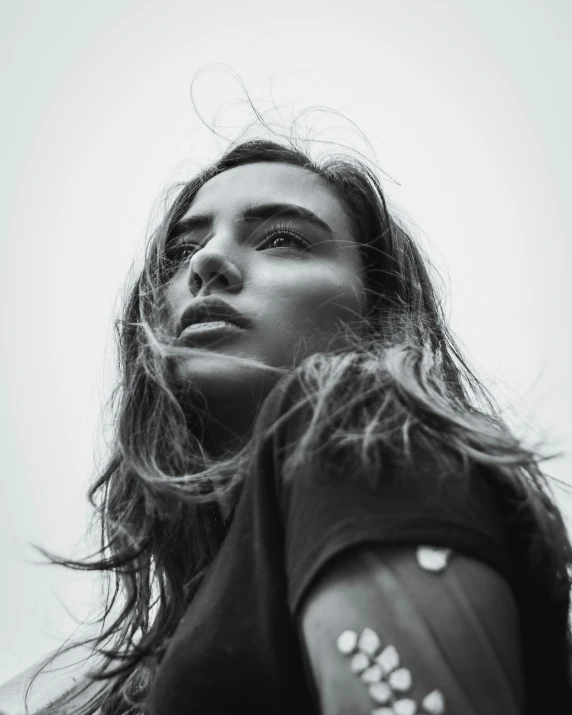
[[312, 304], [177, 295], [178, 285]]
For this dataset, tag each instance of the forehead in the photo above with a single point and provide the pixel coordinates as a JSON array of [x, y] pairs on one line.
[[260, 182]]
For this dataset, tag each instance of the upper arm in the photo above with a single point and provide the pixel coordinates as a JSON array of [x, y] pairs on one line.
[[456, 631]]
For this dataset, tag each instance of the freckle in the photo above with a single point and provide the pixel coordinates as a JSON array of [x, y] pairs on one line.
[[433, 559], [369, 641], [372, 674], [405, 707], [380, 693], [359, 662], [434, 703], [388, 659], [347, 642], [400, 679]]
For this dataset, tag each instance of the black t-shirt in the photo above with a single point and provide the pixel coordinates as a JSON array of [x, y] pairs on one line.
[[238, 647]]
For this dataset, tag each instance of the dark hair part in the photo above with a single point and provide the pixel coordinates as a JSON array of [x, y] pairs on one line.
[[156, 498]]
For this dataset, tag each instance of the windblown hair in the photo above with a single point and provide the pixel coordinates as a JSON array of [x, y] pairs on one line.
[[402, 381]]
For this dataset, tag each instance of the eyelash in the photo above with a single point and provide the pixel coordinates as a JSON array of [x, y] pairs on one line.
[[282, 230], [176, 253]]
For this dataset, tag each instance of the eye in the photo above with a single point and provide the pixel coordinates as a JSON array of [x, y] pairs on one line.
[[283, 237], [180, 252]]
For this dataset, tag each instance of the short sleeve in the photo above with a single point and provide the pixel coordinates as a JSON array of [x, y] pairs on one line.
[[330, 506]]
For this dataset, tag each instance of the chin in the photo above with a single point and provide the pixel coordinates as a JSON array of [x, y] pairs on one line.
[[217, 374], [205, 365]]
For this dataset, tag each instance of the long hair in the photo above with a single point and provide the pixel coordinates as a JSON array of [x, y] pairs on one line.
[[404, 380]]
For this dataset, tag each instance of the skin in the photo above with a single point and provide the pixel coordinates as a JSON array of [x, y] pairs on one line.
[[456, 631], [294, 298], [294, 294]]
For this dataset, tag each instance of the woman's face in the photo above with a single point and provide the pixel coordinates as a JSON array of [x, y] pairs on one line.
[[273, 242]]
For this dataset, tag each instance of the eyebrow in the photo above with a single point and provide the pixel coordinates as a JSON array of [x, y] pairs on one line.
[[254, 212]]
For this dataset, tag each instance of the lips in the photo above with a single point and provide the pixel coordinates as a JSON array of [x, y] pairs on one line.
[[211, 310]]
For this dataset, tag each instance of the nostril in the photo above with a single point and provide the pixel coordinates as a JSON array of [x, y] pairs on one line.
[[196, 283], [223, 279]]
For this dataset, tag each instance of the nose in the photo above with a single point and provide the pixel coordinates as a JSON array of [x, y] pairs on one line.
[[210, 270]]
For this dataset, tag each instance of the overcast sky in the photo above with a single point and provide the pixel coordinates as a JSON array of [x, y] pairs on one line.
[[468, 106]]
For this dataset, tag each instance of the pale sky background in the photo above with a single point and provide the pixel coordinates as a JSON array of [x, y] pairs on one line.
[[468, 105]]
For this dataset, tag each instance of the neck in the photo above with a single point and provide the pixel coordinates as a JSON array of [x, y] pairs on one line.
[[228, 430], [231, 413]]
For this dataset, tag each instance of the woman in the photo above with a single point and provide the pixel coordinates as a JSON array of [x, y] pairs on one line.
[[306, 509]]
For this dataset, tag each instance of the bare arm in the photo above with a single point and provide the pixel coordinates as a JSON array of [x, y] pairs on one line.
[[455, 632]]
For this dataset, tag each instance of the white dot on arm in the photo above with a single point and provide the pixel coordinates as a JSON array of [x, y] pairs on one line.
[[454, 632]]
